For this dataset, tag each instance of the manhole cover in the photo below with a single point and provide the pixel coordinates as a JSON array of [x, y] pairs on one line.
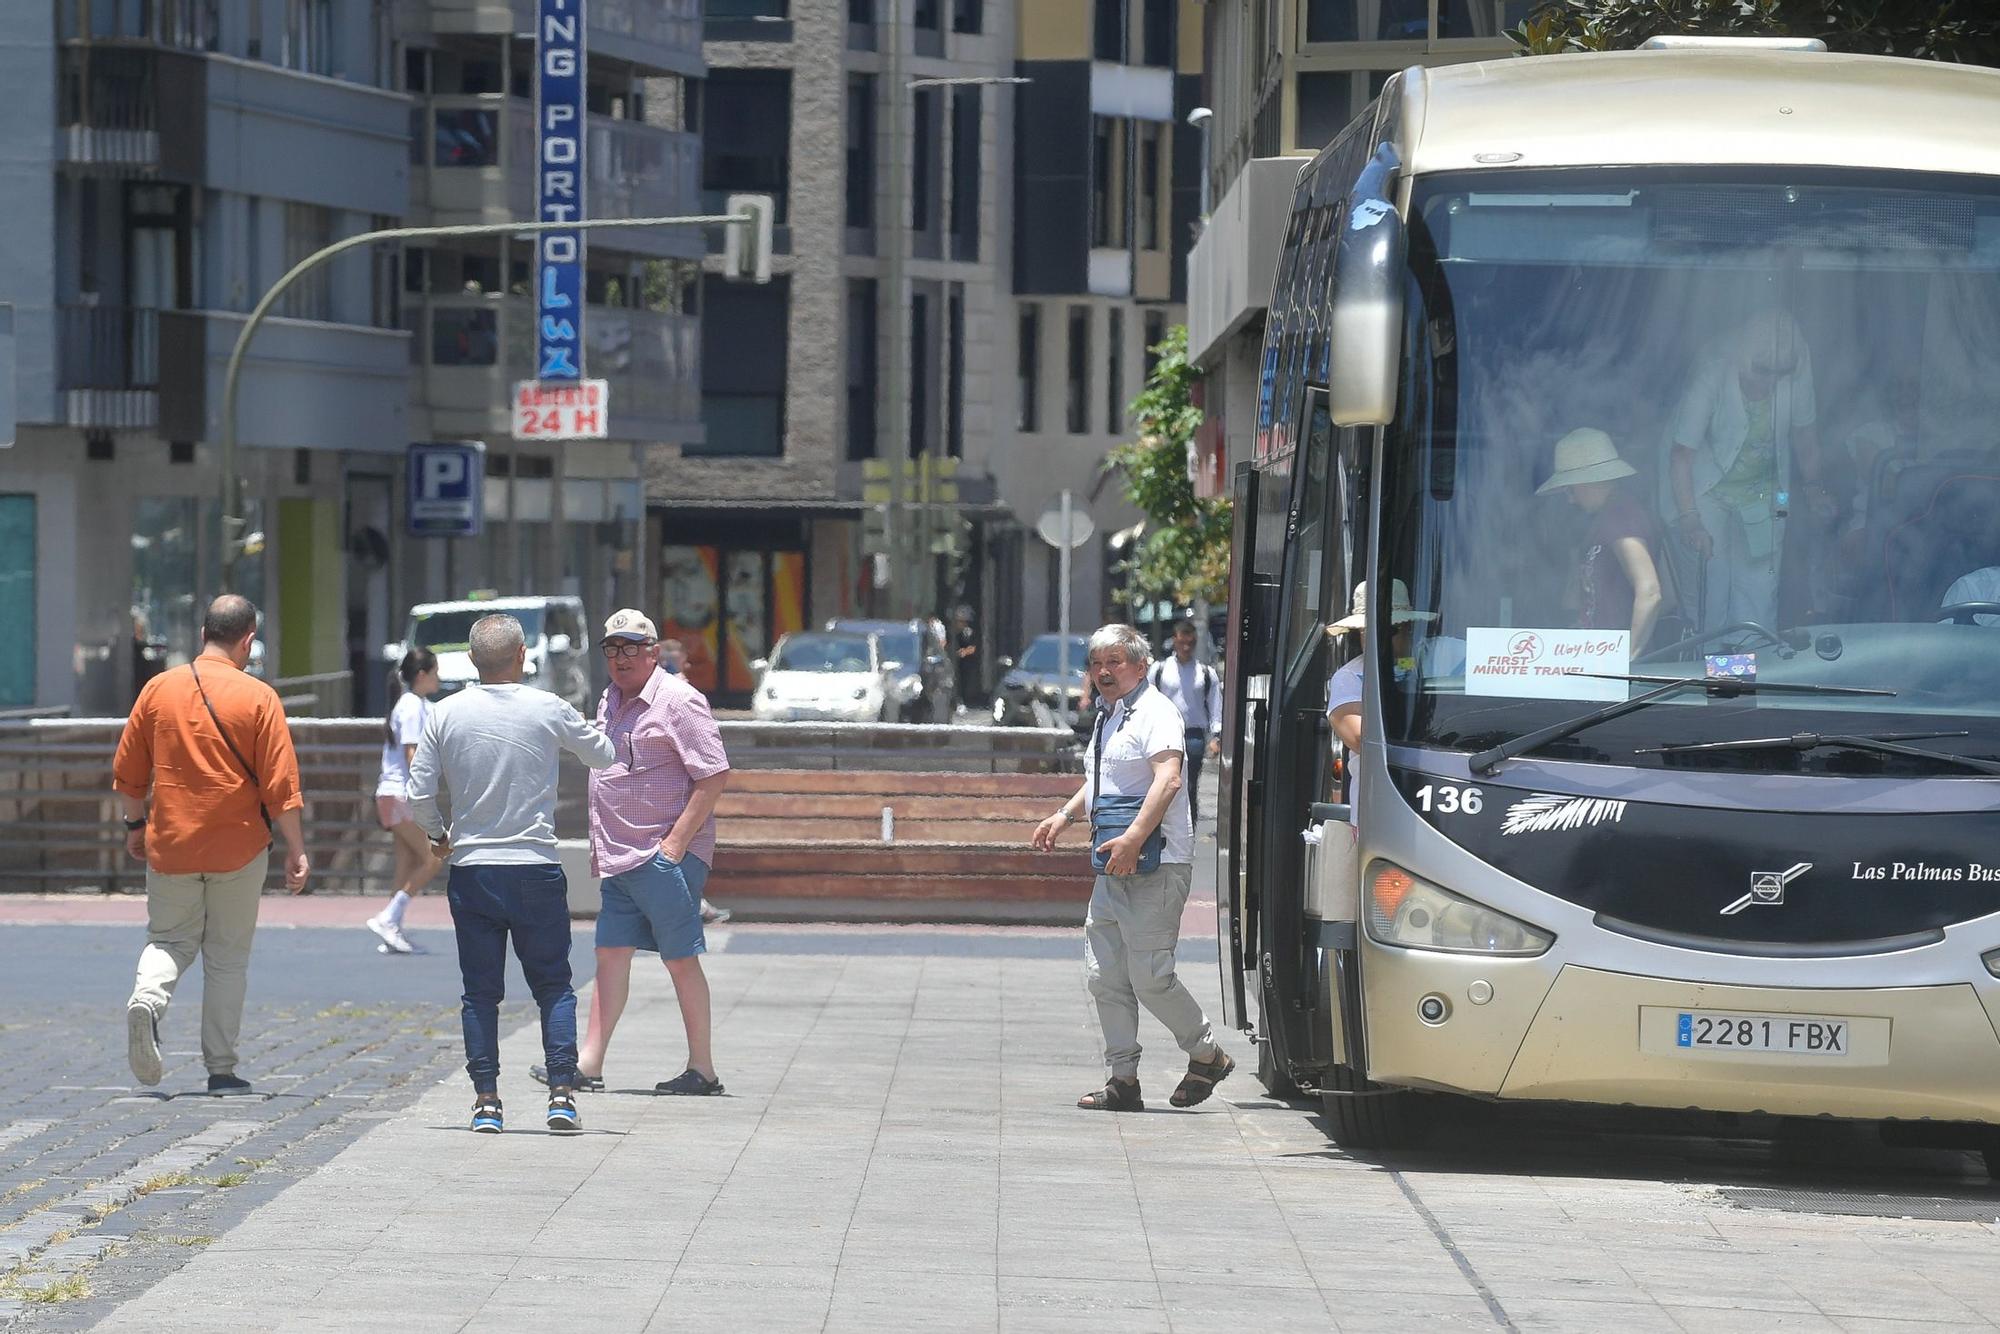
[[1985, 1210]]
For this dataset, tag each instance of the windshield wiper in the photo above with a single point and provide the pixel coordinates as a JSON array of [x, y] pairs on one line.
[[1486, 761], [1881, 743]]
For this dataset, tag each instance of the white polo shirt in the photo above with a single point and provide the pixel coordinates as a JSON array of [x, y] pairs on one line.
[[1153, 727]]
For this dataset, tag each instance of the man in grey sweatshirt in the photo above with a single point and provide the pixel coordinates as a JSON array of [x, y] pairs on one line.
[[494, 750]]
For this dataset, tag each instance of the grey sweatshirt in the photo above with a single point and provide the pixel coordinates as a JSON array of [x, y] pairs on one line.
[[495, 751]]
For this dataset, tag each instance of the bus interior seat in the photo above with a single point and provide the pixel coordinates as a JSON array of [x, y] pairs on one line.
[[1955, 531]]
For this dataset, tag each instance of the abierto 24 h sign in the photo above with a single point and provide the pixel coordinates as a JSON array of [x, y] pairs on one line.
[[578, 411]]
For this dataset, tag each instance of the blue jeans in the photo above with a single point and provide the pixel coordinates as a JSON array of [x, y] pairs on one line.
[[532, 901]]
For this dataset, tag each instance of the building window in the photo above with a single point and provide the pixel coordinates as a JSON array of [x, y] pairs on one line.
[[1326, 101], [965, 173], [923, 156], [1109, 36], [746, 145], [1114, 372], [1079, 370], [924, 14], [464, 336], [861, 11], [1107, 182], [743, 361], [954, 371], [308, 228], [861, 150], [308, 42], [968, 16], [920, 373], [862, 361], [464, 137], [1403, 21], [1151, 145], [1156, 334], [1481, 18], [1331, 21], [747, 20], [1028, 361], [1159, 34]]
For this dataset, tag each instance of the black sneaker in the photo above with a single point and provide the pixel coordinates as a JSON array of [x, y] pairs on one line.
[[486, 1115], [690, 1084], [226, 1085], [582, 1084], [562, 1111]]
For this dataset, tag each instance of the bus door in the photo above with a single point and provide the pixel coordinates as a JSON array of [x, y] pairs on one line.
[[1296, 766], [1252, 606]]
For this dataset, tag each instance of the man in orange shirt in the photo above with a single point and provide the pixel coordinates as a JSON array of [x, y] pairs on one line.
[[209, 741]]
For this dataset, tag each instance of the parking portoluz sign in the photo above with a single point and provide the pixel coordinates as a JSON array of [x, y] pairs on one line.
[[559, 188]]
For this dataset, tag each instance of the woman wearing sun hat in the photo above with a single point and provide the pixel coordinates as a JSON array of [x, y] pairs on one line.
[[1617, 578]]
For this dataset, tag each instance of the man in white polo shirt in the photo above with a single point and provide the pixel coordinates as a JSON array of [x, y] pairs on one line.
[[1143, 849]]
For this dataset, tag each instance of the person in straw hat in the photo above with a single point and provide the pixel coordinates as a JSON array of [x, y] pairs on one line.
[[1618, 584], [1343, 688]]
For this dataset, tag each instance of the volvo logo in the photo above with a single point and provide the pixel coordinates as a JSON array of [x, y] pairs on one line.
[[1767, 888]]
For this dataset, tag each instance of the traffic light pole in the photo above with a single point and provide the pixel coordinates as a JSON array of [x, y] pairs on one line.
[[232, 502]]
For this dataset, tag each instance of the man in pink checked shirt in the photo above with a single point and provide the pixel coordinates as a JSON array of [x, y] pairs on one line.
[[652, 838]]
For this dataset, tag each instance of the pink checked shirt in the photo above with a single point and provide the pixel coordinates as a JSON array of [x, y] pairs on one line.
[[666, 741]]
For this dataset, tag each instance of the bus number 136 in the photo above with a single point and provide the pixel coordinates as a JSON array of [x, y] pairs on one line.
[[1448, 800]]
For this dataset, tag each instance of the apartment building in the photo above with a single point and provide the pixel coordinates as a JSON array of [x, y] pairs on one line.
[[167, 163], [567, 516], [1106, 197], [1282, 78]]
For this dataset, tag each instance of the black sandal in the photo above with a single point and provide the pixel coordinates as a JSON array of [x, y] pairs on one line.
[[689, 1084], [1201, 1079], [1117, 1095]]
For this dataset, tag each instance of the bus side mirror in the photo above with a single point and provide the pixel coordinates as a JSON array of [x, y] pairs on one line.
[[1367, 324], [1258, 653]]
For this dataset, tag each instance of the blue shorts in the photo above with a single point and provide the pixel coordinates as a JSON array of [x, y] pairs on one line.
[[655, 907]]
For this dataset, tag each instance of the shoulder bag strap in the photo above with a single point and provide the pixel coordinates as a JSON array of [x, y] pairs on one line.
[[256, 788]]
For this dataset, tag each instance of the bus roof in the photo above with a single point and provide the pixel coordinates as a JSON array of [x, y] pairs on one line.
[[1738, 107]]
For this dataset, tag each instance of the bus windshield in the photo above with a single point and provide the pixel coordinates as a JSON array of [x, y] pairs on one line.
[[1740, 424]]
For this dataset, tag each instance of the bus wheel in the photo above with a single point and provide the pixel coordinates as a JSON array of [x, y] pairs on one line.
[[1361, 1114], [1989, 1149], [1271, 1072]]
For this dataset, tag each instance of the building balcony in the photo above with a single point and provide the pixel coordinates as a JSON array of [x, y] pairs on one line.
[[132, 110], [108, 366], [657, 36], [475, 162], [472, 350]]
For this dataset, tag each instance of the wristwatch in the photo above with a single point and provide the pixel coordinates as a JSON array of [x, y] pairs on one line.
[[1062, 815], [133, 826]]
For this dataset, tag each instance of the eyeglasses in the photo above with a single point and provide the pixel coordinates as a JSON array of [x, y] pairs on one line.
[[626, 649]]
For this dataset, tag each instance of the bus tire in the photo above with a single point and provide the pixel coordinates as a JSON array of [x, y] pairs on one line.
[[1989, 1150], [1384, 1119]]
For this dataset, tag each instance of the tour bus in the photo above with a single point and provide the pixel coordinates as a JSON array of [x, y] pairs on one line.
[[1650, 403]]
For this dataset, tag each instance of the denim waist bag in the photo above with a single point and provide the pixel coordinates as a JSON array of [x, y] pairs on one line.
[[1110, 817]]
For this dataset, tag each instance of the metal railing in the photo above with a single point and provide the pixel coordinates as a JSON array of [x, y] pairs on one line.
[[108, 347], [59, 819]]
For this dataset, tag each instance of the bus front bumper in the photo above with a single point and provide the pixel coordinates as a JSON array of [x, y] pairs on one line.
[[1589, 1035]]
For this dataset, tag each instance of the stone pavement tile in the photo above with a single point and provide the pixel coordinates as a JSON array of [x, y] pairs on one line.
[[1878, 1292], [1741, 1320], [1371, 1312], [1562, 1317], [746, 1297], [545, 1292], [1880, 1325], [867, 1300], [1201, 1303]]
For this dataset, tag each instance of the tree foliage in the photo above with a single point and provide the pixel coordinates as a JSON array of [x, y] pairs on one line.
[[1965, 31], [1185, 551]]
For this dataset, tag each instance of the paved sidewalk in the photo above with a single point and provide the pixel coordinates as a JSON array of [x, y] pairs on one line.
[[898, 1150]]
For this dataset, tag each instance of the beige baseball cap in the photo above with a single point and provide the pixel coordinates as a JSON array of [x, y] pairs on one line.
[[630, 624]]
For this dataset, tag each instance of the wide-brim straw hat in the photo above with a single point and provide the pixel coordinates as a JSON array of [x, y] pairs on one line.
[[1400, 610], [1585, 455]]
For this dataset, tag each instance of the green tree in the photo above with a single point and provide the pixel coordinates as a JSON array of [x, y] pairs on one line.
[[1965, 31], [1186, 547]]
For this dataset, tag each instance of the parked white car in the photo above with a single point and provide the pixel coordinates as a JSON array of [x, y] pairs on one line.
[[558, 643], [823, 676]]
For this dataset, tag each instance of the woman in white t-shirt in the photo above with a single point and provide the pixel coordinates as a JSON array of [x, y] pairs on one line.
[[415, 862]]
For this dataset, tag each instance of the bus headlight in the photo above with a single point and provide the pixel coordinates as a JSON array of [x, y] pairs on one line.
[[1415, 914]]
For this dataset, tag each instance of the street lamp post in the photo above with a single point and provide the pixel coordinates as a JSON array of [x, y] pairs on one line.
[[232, 518]]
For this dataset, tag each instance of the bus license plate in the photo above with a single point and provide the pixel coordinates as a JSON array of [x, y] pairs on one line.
[[1793, 1034]]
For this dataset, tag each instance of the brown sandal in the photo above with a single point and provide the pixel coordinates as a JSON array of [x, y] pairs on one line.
[[1201, 1079], [1117, 1095]]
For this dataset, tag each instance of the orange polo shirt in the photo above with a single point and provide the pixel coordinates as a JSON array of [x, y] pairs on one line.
[[204, 817]]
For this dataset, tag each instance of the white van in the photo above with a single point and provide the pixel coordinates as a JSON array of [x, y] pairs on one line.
[[557, 634]]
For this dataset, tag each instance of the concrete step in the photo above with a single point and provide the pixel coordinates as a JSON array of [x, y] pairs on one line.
[[949, 805], [742, 831], [822, 783], [943, 882]]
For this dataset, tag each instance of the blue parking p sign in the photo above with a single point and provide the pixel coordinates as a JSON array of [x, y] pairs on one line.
[[447, 490]]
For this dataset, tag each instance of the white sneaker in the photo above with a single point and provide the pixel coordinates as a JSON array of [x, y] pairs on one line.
[[712, 915], [392, 935], [142, 1043]]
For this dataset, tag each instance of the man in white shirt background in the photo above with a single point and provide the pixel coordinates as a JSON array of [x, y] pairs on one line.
[[1196, 691], [1134, 922]]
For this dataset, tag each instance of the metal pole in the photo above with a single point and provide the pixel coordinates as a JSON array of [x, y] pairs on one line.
[[896, 518], [232, 521], [1062, 617]]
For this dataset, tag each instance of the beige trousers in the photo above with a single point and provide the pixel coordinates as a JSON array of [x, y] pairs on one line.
[[1129, 937], [213, 914]]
